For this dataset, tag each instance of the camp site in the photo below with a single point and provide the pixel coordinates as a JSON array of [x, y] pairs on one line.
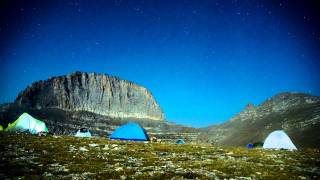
[[160, 89], [128, 153]]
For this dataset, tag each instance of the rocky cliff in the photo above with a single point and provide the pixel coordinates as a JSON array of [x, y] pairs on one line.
[[296, 113], [96, 93]]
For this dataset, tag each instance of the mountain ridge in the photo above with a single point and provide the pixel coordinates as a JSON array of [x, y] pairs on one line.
[[296, 113]]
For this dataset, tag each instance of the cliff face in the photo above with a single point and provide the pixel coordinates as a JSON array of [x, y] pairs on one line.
[[296, 113], [96, 93]]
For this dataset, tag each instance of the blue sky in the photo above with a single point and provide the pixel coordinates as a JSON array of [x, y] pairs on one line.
[[202, 60]]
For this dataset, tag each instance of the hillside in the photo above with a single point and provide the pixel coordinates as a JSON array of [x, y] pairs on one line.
[[66, 157], [296, 113], [63, 122]]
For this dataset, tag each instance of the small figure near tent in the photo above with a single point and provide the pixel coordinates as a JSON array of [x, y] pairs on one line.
[[27, 123], [279, 140], [83, 132], [130, 132], [180, 141], [250, 146]]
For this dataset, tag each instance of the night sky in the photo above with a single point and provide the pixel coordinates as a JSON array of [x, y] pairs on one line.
[[202, 60]]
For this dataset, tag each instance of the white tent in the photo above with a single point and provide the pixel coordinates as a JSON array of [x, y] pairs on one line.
[[278, 140], [27, 123], [83, 132]]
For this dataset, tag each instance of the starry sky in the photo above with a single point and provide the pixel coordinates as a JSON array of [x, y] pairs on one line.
[[203, 60]]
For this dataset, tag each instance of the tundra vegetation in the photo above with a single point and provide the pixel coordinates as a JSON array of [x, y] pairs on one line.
[[50, 157]]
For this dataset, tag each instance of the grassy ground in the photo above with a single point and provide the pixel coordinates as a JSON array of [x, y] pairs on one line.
[[65, 157]]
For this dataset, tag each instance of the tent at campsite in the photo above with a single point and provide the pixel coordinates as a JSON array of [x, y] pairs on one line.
[[83, 132], [1, 128], [250, 145], [130, 132], [27, 123], [278, 140], [180, 141]]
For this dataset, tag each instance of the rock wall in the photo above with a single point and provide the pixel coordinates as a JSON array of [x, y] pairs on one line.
[[97, 93]]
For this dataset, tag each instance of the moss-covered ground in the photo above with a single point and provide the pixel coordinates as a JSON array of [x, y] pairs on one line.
[[66, 157]]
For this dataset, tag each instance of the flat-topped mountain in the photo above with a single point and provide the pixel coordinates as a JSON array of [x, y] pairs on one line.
[[97, 93], [297, 114]]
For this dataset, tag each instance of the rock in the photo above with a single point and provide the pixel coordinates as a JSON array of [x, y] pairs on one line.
[[93, 145], [106, 147], [229, 153], [83, 149], [169, 164], [47, 174], [54, 164], [119, 169], [72, 149], [97, 93]]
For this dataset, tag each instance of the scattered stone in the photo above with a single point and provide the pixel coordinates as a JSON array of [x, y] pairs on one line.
[[72, 149], [54, 164], [83, 149], [93, 145], [44, 152], [114, 145], [230, 153], [106, 147], [119, 169], [302, 177], [47, 174]]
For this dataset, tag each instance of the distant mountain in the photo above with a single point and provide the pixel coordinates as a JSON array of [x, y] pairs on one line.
[[297, 114], [97, 93]]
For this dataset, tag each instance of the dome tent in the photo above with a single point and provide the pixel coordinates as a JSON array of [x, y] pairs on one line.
[[83, 132], [131, 132], [278, 140], [27, 123], [250, 146], [1, 128], [180, 141]]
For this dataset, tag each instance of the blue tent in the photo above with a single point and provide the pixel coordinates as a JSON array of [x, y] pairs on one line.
[[250, 145], [180, 141], [130, 132]]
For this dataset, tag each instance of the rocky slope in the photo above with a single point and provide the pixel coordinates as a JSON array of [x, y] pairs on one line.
[[296, 113], [91, 92], [63, 122]]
